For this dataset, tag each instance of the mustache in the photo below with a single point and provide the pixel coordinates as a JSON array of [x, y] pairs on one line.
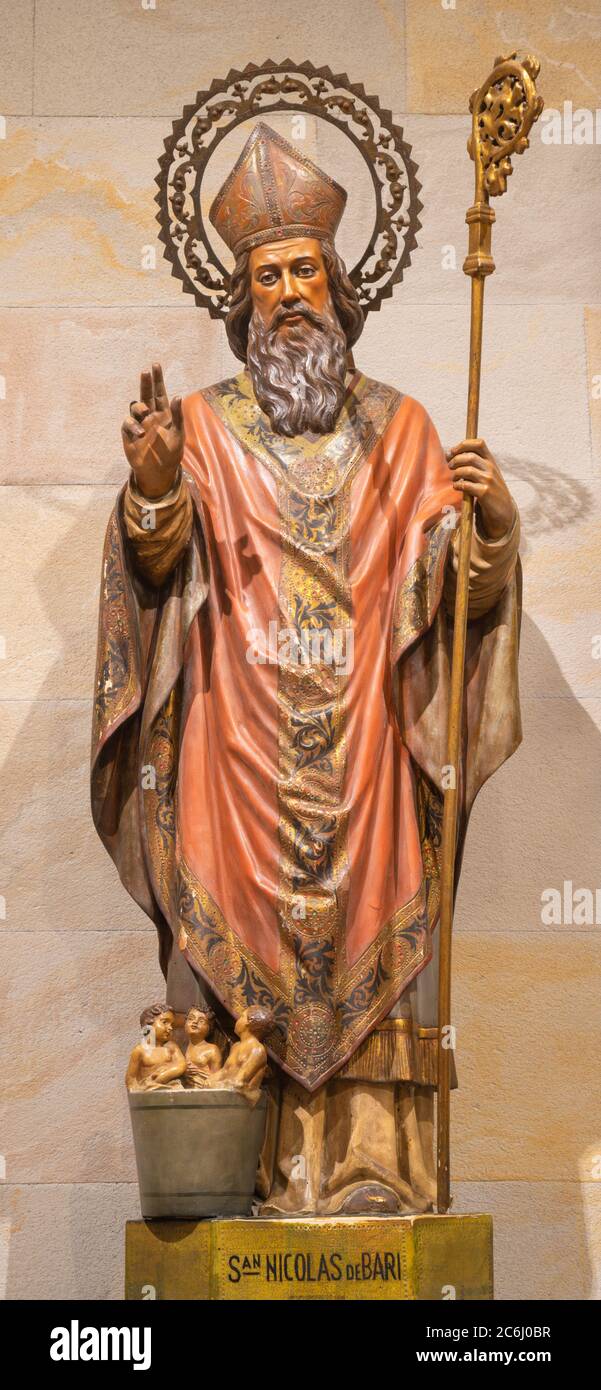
[[298, 377], [299, 310]]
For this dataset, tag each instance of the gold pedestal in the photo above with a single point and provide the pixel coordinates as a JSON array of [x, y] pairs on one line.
[[413, 1257]]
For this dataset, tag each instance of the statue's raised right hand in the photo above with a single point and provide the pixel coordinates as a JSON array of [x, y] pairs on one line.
[[153, 436]]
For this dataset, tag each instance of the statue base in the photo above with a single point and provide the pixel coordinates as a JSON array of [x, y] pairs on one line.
[[390, 1257]]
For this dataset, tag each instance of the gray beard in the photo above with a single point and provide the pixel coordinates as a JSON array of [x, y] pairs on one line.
[[298, 375]]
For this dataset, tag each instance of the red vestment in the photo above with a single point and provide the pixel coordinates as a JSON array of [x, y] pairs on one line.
[[287, 682]]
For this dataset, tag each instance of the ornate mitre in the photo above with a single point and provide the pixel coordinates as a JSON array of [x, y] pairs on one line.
[[274, 193]]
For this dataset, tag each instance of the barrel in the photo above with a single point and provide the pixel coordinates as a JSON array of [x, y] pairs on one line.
[[197, 1151]]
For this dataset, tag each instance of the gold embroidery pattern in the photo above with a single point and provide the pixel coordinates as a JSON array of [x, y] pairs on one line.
[[430, 803], [314, 467], [116, 665], [418, 595], [315, 604], [159, 785], [239, 977], [323, 1009], [313, 1041]]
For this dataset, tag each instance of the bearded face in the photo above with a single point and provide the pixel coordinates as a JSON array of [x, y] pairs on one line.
[[294, 314], [297, 364]]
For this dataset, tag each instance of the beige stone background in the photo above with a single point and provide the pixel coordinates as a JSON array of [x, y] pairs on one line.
[[88, 91]]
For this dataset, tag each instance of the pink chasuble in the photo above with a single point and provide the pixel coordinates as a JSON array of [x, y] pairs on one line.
[[306, 836]]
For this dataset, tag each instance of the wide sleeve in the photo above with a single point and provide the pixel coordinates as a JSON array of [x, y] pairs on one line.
[[142, 635], [421, 636], [158, 532], [492, 564]]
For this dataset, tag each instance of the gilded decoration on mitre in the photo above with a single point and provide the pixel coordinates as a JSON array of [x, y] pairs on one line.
[[274, 193]]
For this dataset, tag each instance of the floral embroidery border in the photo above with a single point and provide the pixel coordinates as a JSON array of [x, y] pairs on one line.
[[314, 1044], [418, 594], [116, 684], [312, 467]]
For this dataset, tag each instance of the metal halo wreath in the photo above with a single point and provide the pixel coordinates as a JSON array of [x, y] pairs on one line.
[[257, 91]]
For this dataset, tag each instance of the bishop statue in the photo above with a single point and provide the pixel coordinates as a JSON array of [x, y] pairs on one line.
[[272, 693]]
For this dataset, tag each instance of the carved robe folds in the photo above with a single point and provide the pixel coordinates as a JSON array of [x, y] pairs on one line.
[[269, 740]]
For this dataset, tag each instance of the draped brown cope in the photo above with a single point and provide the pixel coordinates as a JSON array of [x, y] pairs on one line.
[[276, 814]]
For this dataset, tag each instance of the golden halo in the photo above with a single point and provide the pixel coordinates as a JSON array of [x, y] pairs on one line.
[[255, 92]]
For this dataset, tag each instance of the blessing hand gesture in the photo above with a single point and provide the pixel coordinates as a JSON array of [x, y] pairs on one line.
[[153, 435]]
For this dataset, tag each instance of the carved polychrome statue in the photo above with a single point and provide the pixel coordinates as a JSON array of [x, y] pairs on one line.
[[156, 1063], [246, 1063], [274, 648], [203, 1058]]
